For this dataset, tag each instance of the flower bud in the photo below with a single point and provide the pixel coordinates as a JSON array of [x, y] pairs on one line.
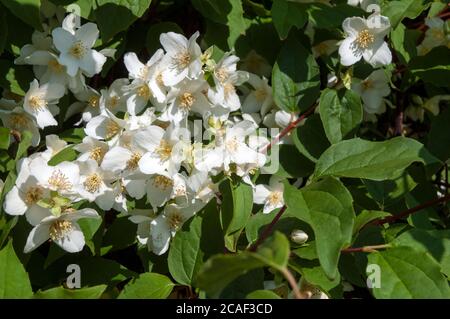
[[299, 236]]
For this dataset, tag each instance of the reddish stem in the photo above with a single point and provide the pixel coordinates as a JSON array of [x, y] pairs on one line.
[[268, 230], [410, 211]]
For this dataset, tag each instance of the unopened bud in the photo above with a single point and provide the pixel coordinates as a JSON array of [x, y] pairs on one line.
[[299, 236]]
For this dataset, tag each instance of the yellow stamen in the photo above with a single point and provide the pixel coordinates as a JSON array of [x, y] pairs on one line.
[[187, 100], [162, 182], [60, 228], [364, 39], [133, 162], [77, 50], [164, 150], [33, 195], [92, 183], [59, 181]]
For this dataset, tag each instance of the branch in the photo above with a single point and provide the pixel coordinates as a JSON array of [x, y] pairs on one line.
[[365, 249], [410, 211], [293, 283], [292, 125], [268, 230]]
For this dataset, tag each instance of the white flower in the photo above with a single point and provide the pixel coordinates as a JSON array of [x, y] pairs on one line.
[[54, 145], [19, 120], [260, 99], [147, 82], [365, 39], [94, 182], [88, 104], [188, 96], [76, 51], [182, 58], [311, 291], [61, 178], [41, 42], [436, 35], [113, 99], [372, 90], [165, 149], [105, 126], [25, 194], [39, 101], [271, 196], [63, 230], [91, 148], [225, 95], [164, 227]]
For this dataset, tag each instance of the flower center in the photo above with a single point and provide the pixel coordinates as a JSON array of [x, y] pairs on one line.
[[77, 50], [164, 150], [228, 89], [113, 101], [260, 94], [364, 39], [175, 220], [18, 121], [182, 60], [162, 182], [159, 79], [112, 128], [275, 198], [59, 229], [133, 162], [97, 154], [93, 101], [221, 74], [37, 103], [232, 145], [59, 181], [143, 91], [33, 195], [55, 66], [367, 84], [186, 101], [92, 183]]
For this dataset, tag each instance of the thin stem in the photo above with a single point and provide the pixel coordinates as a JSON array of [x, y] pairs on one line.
[[292, 125], [410, 211], [293, 283], [268, 230], [365, 249]]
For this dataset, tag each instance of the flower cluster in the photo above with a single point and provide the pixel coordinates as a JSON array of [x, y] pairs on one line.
[[143, 135]]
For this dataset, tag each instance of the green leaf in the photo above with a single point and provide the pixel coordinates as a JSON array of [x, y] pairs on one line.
[[114, 16], [438, 139], [24, 144], [314, 274], [404, 42], [66, 154], [295, 77], [365, 217], [226, 12], [16, 78], [327, 206], [26, 10], [286, 15], [121, 234], [388, 192], [341, 113], [396, 11], [262, 294], [64, 293], [221, 270], [14, 282], [329, 17], [148, 286], [4, 138], [434, 67], [372, 160], [237, 205], [185, 254], [406, 273], [435, 242], [310, 138]]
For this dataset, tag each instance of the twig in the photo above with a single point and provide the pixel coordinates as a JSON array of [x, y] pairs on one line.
[[292, 125], [293, 283], [410, 211], [268, 230], [365, 249]]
